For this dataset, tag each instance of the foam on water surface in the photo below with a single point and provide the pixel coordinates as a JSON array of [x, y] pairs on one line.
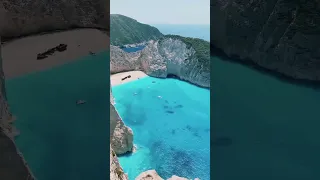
[[171, 124]]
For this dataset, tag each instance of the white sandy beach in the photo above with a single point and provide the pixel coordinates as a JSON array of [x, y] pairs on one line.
[[19, 56], [116, 79]]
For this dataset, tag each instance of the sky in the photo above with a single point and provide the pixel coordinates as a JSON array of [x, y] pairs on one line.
[[164, 11]]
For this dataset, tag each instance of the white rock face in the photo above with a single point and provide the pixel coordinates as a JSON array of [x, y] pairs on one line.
[[162, 58], [121, 136], [116, 172], [174, 177], [153, 175], [149, 175]]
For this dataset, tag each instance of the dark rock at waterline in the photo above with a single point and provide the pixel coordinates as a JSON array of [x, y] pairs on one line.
[[283, 37]]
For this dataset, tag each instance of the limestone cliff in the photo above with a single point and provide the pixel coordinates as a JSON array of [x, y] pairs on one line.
[[279, 35], [12, 163], [23, 17], [116, 172], [121, 136], [153, 175], [186, 58]]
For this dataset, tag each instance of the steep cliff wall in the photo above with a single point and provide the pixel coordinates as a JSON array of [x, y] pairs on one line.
[[121, 136], [12, 163], [23, 17], [279, 35], [167, 56]]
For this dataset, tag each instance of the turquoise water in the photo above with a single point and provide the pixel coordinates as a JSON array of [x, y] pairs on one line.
[[59, 139], [262, 128], [133, 49], [195, 31], [171, 124]]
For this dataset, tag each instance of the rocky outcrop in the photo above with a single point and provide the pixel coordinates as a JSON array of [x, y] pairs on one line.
[[12, 163], [282, 36], [153, 175], [21, 17], [121, 136], [168, 56], [116, 172], [149, 175]]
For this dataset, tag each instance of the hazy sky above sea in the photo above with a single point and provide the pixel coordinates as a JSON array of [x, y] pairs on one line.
[[164, 11]]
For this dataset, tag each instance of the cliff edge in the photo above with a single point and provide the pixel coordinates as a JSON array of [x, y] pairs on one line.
[[282, 36], [20, 17], [185, 58]]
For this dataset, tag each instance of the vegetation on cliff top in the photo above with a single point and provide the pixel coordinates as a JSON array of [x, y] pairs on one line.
[[125, 30], [201, 47]]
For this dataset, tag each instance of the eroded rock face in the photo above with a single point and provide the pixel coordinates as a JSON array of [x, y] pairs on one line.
[[282, 36], [22, 17], [160, 59], [153, 175], [149, 175], [121, 136], [116, 172], [174, 177]]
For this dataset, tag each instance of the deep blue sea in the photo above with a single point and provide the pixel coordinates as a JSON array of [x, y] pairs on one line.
[[195, 31], [171, 124]]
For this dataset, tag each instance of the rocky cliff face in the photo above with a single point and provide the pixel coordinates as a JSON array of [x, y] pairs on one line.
[[168, 56], [12, 163], [121, 136], [22, 17], [116, 172], [279, 35]]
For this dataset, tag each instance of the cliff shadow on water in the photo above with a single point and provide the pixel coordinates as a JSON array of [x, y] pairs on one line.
[[217, 52], [173, 76]]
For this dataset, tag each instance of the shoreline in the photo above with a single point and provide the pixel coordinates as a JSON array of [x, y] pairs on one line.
[[116, 79], [285, 78], [18, 64]]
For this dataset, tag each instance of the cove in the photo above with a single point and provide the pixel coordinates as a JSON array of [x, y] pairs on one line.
[[262, 127], [170, 120], [133, 49], [58, 138]]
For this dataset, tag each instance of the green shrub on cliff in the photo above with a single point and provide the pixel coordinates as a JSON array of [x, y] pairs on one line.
[[125, 30], [201, 47]]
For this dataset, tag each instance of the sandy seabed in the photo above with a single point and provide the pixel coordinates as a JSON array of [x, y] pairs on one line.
[[116, 79]]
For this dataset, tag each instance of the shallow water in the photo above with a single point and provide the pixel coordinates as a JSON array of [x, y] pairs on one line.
[[133, 49], [171, 124], [262, 128], [59, 139]]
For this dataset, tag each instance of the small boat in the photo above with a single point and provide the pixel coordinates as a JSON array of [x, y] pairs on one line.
[[81, 102]]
